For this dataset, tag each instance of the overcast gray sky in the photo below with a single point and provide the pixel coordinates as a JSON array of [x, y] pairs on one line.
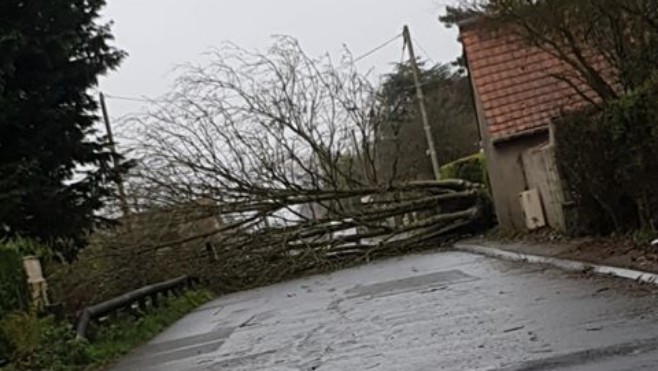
[[161, 34]]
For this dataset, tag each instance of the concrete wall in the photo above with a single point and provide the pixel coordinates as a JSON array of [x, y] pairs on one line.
[[508, 178], [506, 170]]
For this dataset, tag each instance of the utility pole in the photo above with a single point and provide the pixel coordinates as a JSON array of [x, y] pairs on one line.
[[421, 102], [115, 160]]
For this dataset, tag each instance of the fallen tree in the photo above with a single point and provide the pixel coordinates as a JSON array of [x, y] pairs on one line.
[[255, 249], [261, 167]]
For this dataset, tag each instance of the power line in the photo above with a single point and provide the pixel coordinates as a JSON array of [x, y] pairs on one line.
[[427, 55], [149, 100], [134, 99], [354, 61], [376, 49], [170, 101]]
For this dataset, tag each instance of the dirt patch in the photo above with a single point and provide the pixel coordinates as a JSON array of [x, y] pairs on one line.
[[542, 236], [618, 252], [623, 252]]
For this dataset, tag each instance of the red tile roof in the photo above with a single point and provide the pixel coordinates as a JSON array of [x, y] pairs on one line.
[[514, 82]]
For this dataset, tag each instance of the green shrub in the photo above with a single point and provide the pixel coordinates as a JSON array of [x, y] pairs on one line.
[[42, 343], [14, 293], [46, 344], [23, 329], [609, 159], [27, 247], [472, 168]]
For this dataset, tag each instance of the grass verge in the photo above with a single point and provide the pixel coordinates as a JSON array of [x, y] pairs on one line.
[[45, 344]]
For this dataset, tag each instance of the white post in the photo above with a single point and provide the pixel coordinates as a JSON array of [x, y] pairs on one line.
[[36, 281]]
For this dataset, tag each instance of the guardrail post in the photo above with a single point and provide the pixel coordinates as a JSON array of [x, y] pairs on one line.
[[154, 300], [83, 323], [142, 304], [125, 302]]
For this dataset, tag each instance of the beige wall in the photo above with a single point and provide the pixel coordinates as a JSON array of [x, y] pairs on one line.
[[508, 178], [518, 164], [506, 171]]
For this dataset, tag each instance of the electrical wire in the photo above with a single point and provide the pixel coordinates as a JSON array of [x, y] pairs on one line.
[[376, 49], [427, 55], [355, 60], [134, 99]]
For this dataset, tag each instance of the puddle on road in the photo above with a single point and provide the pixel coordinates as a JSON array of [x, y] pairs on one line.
[[410, 283], [154, 354]]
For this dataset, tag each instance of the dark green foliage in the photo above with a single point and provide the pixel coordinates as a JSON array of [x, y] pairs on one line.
[[592, 37], [610, 161], [456, 14], [402, 145], [51, 54], [45, 344], [42, 344], [607, 153], [472, 168], [398, 92], [14, 294]]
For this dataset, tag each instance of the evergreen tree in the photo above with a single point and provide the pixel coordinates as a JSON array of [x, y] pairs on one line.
[[402, 146], [55, 170]]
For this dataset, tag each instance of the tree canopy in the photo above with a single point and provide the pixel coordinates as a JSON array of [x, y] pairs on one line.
[[609, 45], [606, 151], [54, 168], [402, 152]]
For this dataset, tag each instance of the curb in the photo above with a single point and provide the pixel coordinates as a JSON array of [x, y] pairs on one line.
[[564, 264]]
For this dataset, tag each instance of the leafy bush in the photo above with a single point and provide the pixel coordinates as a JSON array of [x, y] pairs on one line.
[[92, 278], [609, 158], [45, 344], [472, 168], [27, 247], [14, 294]]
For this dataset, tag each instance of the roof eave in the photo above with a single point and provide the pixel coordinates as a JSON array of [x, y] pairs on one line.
[[467, 22]]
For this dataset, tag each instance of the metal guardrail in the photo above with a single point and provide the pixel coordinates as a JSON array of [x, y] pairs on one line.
[[127, 300]]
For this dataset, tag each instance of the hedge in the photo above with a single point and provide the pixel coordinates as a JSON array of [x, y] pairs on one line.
[[14, 293], [609, 159], [472, 168]]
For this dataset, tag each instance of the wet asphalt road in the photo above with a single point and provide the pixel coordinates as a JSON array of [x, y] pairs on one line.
[[439, 311]]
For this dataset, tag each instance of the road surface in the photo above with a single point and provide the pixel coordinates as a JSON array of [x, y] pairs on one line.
[[440, 311]]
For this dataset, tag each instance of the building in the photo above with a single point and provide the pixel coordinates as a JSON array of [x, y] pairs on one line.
[[517, 96]]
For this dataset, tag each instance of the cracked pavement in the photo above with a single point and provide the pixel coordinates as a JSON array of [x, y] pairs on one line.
[[444, 310]]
